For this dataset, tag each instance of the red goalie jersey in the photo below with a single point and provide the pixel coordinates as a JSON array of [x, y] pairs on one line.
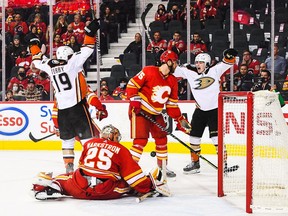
[[112, 164], [155, 91]]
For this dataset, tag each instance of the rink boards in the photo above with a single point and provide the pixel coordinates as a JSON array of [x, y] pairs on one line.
[[19, 119]]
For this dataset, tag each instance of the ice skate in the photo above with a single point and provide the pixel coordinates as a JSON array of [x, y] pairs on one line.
[[192, 168], [170, 173], [69, 167]]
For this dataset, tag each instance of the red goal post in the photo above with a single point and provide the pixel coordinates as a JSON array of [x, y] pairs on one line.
[[253, 132]]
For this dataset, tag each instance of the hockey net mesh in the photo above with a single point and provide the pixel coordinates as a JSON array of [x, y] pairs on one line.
[[270, 149]]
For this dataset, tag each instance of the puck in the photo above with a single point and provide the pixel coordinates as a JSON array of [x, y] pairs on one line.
[[153, 154]]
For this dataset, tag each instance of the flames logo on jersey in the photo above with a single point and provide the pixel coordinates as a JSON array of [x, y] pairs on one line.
[[204, 82], [160, 94]]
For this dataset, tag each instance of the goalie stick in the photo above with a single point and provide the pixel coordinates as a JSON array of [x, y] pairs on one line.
[[228, 169], [37, 140], [99, 57], [143, 17], [152, 193]]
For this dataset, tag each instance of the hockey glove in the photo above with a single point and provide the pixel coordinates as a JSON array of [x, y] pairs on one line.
[[135, 106], [183, 124], [101, 114], [230, 55], [92, 28]]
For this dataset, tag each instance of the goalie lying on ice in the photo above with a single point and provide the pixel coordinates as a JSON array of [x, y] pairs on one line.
[[106, 171]]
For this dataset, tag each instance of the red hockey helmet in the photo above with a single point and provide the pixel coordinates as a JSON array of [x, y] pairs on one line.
[[168, 55]]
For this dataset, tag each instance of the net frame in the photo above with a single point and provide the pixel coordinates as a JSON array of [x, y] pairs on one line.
[[251, 183]]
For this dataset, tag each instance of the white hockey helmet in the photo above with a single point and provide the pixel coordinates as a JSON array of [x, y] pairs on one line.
[[63, 53], [203, 57], [111, 133]]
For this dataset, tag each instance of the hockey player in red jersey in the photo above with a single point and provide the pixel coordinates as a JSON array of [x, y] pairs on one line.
[[101, 113], [150, 91], [106, 171], [205, 87], [70, 87]]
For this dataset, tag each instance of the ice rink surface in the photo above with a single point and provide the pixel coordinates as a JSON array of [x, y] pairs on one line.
[[192, 194]]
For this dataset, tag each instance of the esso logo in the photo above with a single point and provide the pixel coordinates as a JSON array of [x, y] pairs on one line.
[[12, 121]]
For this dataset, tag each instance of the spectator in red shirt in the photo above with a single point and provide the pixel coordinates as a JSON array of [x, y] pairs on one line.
[[208, 12], [104, 94], [67, 35], [253, 64], [43, 85], [78, 27], [175, 13], [24, 60], [41, 26], [161, 14], [177, 45], [157, 46], [197, 45], [119, 92], [201, 3], [18, 27], [21, 79]]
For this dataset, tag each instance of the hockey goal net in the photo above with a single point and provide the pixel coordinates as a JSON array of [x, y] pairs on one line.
[[253, 132]]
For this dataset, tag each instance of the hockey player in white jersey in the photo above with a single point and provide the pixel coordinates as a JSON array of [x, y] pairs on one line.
[[205, 87], [70, 88]]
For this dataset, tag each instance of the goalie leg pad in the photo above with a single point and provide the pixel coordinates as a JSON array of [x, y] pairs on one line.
[[158, 182]]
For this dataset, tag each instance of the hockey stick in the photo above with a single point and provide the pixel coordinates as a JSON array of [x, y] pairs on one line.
[[145, 196], [97, 41], [180, 141], [228, 169], [37, 140], [143, 17]]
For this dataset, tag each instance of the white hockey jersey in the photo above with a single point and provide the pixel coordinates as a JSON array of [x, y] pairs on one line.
[[68, 87], [205, 87]]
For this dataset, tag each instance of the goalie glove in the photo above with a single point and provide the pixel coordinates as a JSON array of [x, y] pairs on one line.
[[183, 124], [230, 55], [158, 183], [92, 28], [101, 114]]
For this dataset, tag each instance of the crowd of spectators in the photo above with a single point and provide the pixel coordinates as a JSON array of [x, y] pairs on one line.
[[210, 26], [22, 23]]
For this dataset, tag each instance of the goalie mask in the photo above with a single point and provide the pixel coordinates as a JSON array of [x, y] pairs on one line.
[[169, 57], [64, 52], [111, 133]]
